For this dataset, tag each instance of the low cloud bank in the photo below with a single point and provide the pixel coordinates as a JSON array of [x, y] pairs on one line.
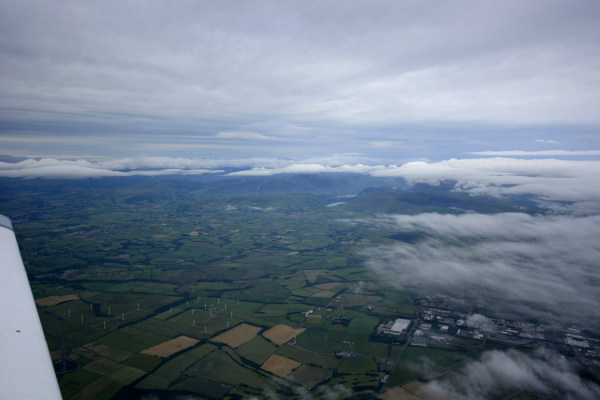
[[543, 372], [537, 267], [81, 168], [554, 180], [550, 179], [310, 168]]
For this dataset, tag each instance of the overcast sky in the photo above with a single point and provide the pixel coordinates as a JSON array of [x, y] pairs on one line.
[[394, 80], [502, 97]]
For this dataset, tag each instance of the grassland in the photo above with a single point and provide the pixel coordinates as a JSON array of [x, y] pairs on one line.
[[257, 350], [423, 362]]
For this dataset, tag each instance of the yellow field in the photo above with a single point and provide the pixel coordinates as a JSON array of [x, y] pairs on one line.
[[280, 365], [279, 334], [237, 336], [170, 347], [54, 300]]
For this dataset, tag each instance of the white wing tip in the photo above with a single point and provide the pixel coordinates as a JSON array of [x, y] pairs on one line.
[[5, 222]]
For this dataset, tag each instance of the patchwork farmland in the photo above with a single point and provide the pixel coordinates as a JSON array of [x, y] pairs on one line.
[[169, 288]]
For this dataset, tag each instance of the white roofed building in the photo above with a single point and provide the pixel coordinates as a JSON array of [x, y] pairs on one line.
[[396, 327]]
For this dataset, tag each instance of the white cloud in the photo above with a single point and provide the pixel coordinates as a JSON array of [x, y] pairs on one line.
[[542, 267], [545, 153], [386, 143], [543, 373], [480, 321], [336, 392], [307, 168], [244, 135], [60, 171], [551, 179], [546, 141], [80, 169]]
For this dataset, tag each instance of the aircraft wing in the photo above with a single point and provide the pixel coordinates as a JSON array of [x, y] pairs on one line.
[[26, 370]]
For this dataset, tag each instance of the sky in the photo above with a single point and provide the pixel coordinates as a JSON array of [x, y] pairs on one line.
[[377, 81]]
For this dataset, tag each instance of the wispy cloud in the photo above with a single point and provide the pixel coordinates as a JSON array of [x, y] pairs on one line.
[[546, 141], [244, 135], [539, 267], [542, 372], [386, 143], [546, 153]]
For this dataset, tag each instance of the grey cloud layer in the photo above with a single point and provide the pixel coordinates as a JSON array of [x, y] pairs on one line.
[[543, 267], [279, 70]]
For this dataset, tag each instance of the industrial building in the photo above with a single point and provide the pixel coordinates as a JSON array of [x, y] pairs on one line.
[[395, 327]]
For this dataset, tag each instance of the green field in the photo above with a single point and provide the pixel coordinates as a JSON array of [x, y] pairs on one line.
[[422, 362], [257, 350], [168, 372], [310, 376], [218, 366]]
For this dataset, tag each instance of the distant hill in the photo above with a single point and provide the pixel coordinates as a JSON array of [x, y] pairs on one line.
[[316, 184], [428, 198], [364, 193]]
